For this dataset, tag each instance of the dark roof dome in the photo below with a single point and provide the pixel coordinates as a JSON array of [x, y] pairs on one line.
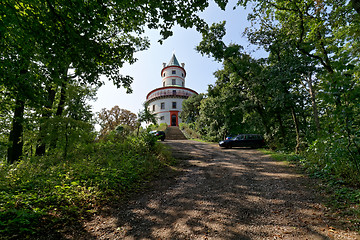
[[173, 61]]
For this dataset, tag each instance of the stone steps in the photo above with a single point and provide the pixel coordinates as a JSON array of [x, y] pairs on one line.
[[174, 133]]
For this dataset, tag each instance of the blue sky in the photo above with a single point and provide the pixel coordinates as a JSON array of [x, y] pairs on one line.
[[146, 71]]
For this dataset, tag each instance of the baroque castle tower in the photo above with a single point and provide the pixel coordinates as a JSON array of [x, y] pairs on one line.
[[166, 101]]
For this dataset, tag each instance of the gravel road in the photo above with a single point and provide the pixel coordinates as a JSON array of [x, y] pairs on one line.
[[222, 194]]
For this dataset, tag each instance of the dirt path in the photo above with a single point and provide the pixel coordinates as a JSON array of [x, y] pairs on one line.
[[222, 194]]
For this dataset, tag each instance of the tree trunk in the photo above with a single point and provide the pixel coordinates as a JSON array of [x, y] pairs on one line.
[[15, 137], [312, 93], [60, 108], [296, 122], [313, 104], [281, 126], [59, 111], [40, 149], [262, 114]]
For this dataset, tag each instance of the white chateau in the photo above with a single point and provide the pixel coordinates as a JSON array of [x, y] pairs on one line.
[[166, 101]]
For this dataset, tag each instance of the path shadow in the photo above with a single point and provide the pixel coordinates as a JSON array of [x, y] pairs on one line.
[[221, 194]]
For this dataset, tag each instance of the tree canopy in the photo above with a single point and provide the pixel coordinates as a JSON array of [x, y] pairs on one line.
[[46, 47], [304, 95]]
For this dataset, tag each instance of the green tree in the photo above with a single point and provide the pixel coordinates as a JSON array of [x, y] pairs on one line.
[[146, 116], [191, 108], [43, 42], [264, 89], [326, 32], [110, 119]]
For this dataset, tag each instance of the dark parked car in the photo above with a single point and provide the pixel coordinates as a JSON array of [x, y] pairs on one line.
[[159, 134], [244, 140]]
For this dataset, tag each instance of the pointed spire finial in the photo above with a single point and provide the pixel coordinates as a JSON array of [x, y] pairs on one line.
[[173, 61]]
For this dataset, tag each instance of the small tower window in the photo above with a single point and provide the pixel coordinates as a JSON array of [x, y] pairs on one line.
[[162, 118], [173, 104], [173, 81], [164, 75], [154, 108], [163, 84], [174, 92], [162, 105], [173, 72], [182, 84]]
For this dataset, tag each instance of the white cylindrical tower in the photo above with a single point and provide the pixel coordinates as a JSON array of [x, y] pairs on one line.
[[166, 101]]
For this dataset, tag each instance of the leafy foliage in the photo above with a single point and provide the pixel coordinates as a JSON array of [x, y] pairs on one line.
[[49, 191], [110, 119], [146, 115], [304, 96], [189, 131], [48, 47], [191, 108]]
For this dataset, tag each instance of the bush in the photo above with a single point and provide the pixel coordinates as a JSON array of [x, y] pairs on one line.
[[189, 130], [162, 127], [51, 189], [330, 156]]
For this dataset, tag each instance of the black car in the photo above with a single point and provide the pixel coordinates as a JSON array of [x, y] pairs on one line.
[[244, 140], [159, 134]]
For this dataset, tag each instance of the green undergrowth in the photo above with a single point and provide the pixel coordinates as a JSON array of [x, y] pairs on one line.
[[49, 192], [189, 131], [342, 195]]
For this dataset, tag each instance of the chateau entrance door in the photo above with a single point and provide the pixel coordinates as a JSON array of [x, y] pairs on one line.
[[173, 120]]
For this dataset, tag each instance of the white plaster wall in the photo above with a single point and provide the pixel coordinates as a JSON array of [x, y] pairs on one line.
[[168, 107], [179, 76], [178, 81]]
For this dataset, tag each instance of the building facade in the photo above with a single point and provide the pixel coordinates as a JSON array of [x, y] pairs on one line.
[[166, 102]]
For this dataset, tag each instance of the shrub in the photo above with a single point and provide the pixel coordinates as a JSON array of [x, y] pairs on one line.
[[189, 130], [54, 189], [331, 156]]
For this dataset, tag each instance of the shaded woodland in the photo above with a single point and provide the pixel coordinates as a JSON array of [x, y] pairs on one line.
[[55, 168]]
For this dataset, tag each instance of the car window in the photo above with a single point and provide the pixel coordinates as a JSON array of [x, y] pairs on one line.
[[248, 137]]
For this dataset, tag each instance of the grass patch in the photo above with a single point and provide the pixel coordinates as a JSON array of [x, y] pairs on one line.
[[202, 140], [189, 132], [281, 156], [46, 193]]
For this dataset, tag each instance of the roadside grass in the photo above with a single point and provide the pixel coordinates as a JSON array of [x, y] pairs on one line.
[[189, 132], [41, 195], [201, 140], [343, 199]]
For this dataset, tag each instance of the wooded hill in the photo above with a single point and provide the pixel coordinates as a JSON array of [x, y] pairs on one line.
[[304, 97]]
